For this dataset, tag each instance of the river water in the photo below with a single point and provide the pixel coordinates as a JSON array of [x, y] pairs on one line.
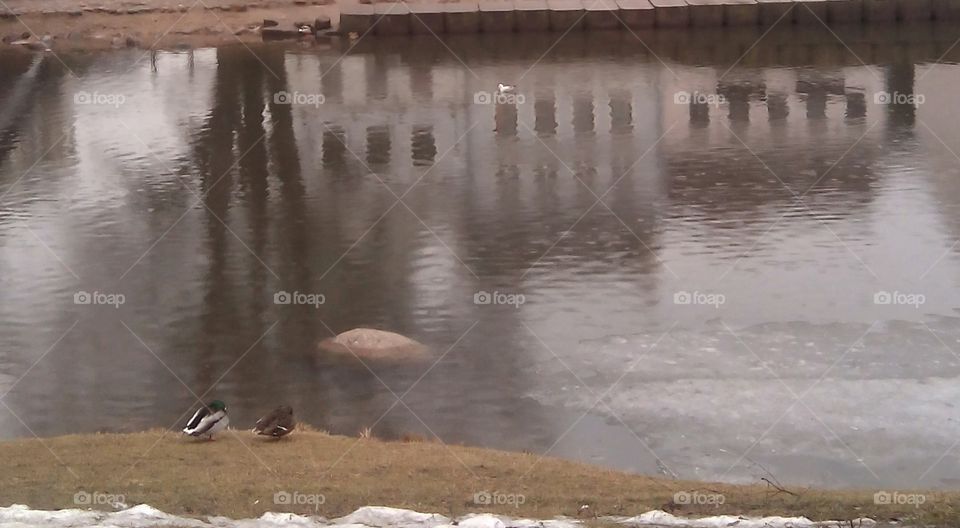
[[687, 255]]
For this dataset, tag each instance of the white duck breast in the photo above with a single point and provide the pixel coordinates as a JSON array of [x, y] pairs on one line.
[[205, 422]]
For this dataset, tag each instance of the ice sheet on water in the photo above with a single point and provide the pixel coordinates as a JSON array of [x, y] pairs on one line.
[[892, 349], [821, 404], [143, 516]]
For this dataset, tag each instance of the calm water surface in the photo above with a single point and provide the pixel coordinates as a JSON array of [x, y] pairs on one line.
[[704, 284]]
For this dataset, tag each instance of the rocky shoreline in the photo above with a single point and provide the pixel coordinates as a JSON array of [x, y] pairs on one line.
[[14, 8], [39, 25]]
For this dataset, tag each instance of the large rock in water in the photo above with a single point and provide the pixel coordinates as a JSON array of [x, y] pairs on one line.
[[371, 344]]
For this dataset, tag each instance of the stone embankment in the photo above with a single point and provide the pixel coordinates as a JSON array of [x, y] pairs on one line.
[[471, 16]]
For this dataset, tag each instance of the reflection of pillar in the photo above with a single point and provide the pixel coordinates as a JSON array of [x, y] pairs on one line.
[[901, 110], [816, 90], [253, 165], [508, 172], [738, 104], [421, 81], [216, 146], [856, 105], [217, 141], [699, 111], [375, 71], [334, 140], [423, 146], [331, 82], [816, 104], [281, 138], [777, 108], [583, 115], [621, 112], [545, 110], [378, 145], [505, 118], [26, 82], [738, 95], [354, 89]]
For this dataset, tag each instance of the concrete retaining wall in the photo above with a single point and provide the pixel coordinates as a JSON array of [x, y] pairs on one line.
[[492, 16]]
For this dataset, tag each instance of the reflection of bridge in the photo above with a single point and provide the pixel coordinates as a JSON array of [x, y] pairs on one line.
[[431, 73], [422, 97]]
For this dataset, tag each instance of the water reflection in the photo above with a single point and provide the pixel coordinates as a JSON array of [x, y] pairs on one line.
[[505, 116], [423, 146], [777, 107], [621, 113], [334, 146], [545, 111], [600, 196]]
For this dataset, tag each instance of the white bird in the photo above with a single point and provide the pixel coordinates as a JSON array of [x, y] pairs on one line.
[[505, 88]]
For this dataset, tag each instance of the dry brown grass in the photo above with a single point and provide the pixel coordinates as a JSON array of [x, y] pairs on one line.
[[238, 474]]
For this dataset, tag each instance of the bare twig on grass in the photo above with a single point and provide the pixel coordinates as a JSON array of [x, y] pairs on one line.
[[779, 488], [772, 480]]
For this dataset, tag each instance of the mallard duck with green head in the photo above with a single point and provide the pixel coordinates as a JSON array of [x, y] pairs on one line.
[[208, 420]]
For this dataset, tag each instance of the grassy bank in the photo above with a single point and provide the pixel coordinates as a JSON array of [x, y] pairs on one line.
[[238, 475]]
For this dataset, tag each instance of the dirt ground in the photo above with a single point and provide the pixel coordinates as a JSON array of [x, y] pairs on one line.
[[148, 24]]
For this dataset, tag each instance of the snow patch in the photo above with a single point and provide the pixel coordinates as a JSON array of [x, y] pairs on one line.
[[482, 521], [268, 520], [382, 516], [144, 516], [660, 518]]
